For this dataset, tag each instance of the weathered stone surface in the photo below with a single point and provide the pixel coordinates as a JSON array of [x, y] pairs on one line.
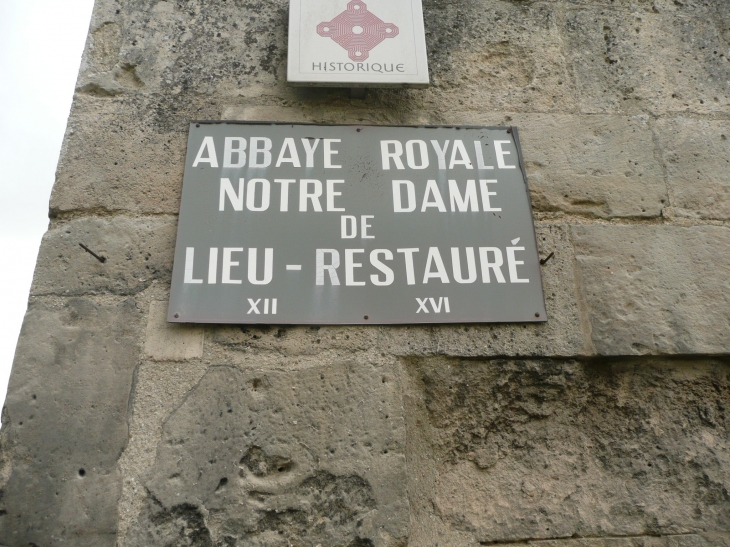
[[663, 60], [563, 334], [679, 540], [275, 436], [697, 157], [188, 47], [602, 166], [504, 56], [294, 340], [125, 153], [138, 251], [307, 457], [64, 423], [546, 449], [656, 289], [171, 342]]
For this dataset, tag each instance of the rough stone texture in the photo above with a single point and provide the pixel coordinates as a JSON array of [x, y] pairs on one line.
[[170, 342], [544, 449], [562, 334], [679, 540], [604, 427], [125, 153], [64, 423], [281, 458], [697, 155], [602, 166], [137, 252], [507, 55], [650, 59], [656, 289]]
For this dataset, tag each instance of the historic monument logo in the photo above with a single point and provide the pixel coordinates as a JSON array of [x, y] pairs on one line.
[[357, 30]]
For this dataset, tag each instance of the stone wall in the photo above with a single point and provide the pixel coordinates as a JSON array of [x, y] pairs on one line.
[[607, 426]]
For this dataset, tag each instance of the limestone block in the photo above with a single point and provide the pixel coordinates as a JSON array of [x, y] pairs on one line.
[[656, 289], [659, 59], [65, 423], [500, 56], [561, 335], [309, 457], [681, 540], [600, 166], [556, 449], [697, 157], [321, 112], [293, 340], [171, 342], [125, 153], [204, 48], [138, 251]]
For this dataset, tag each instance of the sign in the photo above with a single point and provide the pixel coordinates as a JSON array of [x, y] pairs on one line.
[[315, 224], [357, 43]]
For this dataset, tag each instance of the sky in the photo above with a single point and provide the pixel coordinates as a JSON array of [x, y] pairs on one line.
[[41, 42]]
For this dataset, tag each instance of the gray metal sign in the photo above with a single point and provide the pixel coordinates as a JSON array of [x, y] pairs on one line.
[[313, 224], [357, 43]]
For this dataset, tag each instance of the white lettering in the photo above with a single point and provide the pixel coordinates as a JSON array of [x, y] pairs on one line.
[[494, 266], [422, 152], [330, 268], [470, 265], [375, 261], [284, 200], [348, 227], [260, 146], [410, 273], [228, 264], [189, 260], [440, 153], [395, 155], [312, 196], [236, 199], [464, 156], [469, 198], [364, 227], [410, 192], [486, 205], [229, 150], [501, 154], [265, 194], [213, 266], [480, 156], [310, 145], [434, 259], [350, 266], [209, 147], [329, 152], [331, 194], [268, 266], [433, 190], [293, 156], [512, 264]]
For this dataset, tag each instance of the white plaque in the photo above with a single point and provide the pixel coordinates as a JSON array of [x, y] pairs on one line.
[[357, 43]]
